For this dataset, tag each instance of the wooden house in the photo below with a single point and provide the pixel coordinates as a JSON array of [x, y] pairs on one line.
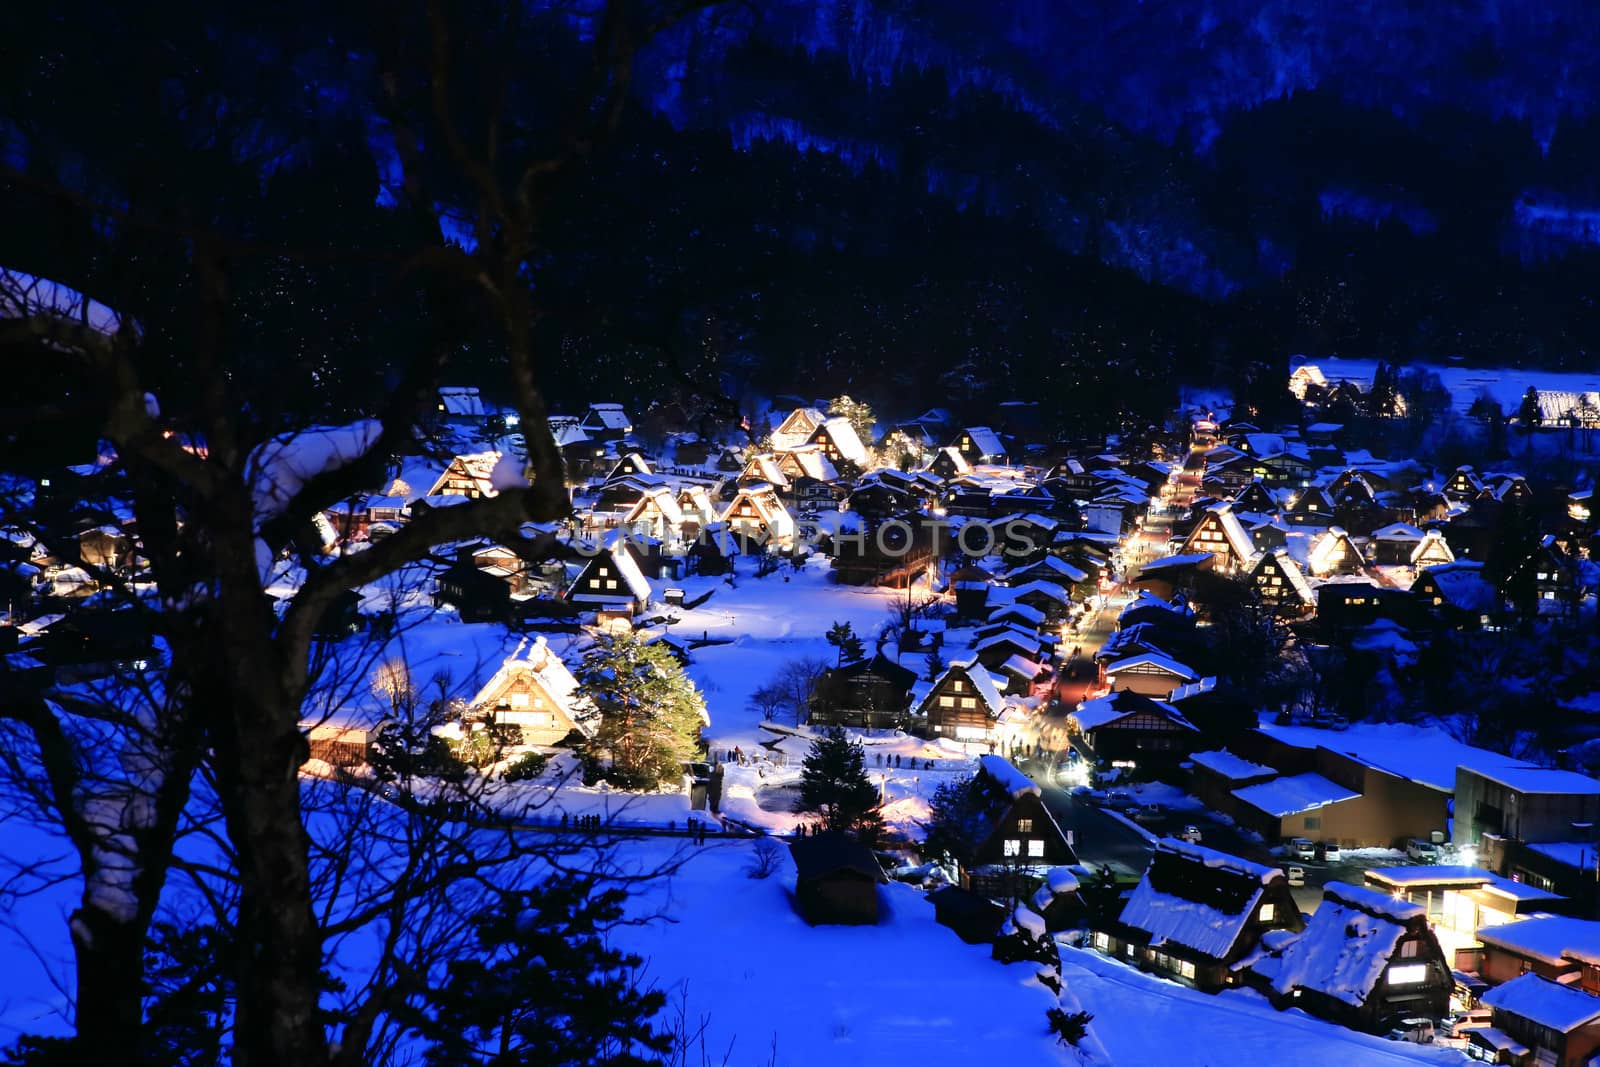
[[1149, 674], [611, 581], [873, 694], [1219, 533], [606, 422], [1457, 595], [810, 462], [974, 917], [1364, 961], [1018, 837], [477, 595], [656, 514], [471, 476], [1395, 544], [980, 445], [1463, 484], [629, 466], [756, 513], [1197, 913], [338, 746], [460, 405], [1552, 1023], [1310, 507], [1558, 947], [796, 428], [949, 463], [1548, 575], [836, 880], [1131, 729], [1255, 499], [1053, 601], [840, 443], [963, 705], [764, 469], [895, 552], [1281, 584], [1432, 551], [971, 584], [1335, 553], [534, 693]]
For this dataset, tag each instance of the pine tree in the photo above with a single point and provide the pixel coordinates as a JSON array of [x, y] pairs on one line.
[[544, 988], [842, 636], [650, 713], [956, 822], [1528, 413], [858, 412], [936, 662], [834, 783]]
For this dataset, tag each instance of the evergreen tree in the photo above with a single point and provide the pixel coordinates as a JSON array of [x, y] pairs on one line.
[[858, 412], [842, 636], [1528, 414], [936, 662], [650, 713], [544, 989], [956, 821], [834, 783]]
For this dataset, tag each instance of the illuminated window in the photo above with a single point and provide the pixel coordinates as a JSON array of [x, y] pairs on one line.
[[1186, 968], [1035, 849], [1024, 826], [969, 702], [1268, 912], [1012, 847], [947, 702], [611, 583], [1408, 973], [519, 700]]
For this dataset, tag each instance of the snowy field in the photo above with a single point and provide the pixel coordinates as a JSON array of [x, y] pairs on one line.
[[1140, 1019], [904, 991]]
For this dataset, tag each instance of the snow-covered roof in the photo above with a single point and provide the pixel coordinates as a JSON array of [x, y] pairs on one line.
[[1166, 563], [279, 468], [1551, 938], [610, 416], [535, 660], [985, 440], [1227, 765], [1005, 775], [628, 570], [1293, 794], [1101, 711], [461, 401], [1544, 1002], [1155, 660], [566, 431], [842, 432], [1346, 944], [1049, 590], [1196, 897], [1525, 778]]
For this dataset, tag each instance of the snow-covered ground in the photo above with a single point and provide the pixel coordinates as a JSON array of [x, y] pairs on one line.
[[1141, 1019], [904, 991]]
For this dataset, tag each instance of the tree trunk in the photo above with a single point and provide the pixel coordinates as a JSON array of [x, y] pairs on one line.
[[255, 724], [109, 956]]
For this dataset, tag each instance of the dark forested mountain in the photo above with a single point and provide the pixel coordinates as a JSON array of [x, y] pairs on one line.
[[925, 200]]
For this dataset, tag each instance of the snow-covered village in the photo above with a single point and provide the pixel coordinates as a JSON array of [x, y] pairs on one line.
[[478, 589]]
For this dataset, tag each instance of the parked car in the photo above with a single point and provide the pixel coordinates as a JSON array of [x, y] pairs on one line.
[[1296, 875], [1328, 850], [1418, 1031], [1150, 813], [1121, 800], [1191, 834], [1302, 849], [1422, 851], [1471, 1019]]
